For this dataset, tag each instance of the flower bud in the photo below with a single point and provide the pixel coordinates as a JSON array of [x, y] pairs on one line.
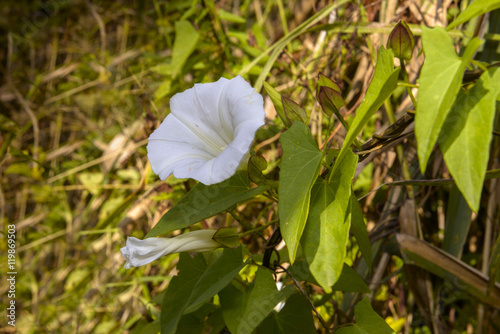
[[140, 252], [330, 100], [401, 41], [257, 164], [323, 80], [293, 112]]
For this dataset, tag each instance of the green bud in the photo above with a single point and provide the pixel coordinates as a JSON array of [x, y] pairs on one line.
[[330, 100], [256, 165], [323, 80], [293, 112], [401, 41]]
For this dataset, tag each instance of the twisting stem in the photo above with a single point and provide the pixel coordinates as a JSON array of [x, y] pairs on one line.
[[320, 318]]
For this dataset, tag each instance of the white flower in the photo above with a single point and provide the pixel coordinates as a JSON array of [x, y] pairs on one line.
[[140, 252], [208, 133]]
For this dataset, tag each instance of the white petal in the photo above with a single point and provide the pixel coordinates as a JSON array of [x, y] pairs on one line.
[[198, 109], [140, 252], [208, 133]]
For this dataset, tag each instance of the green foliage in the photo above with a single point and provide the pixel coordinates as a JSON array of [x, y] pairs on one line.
[[358, 229], [326, 232], [367, 321], [439, 84], [476, 8], [294, 318], [467, 133], [206, 201], [298, 171], [244, 310]]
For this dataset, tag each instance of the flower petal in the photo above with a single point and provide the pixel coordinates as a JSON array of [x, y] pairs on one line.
[[140, 252]]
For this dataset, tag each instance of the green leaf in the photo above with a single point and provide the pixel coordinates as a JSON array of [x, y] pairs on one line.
[[206, 201], [195, 285], [478, 7], [327, 230], [195, 322], [381, 87], [350, 281], [215, 278], [276, 99], [230, 17], [467, 133], [186, 38], [299, 168], [244, 311], [294, 318], [458, 219], [367, 321], [358, 229], [163, 90], [179, 290], [439, 83]]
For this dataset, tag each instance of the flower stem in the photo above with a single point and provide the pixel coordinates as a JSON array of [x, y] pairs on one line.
[[258, 229], [407, 80]]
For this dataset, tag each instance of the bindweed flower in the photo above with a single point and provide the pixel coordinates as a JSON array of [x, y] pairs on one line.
[[209, 131], [140, 252]]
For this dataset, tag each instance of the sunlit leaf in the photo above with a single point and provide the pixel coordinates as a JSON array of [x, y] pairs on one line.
[[327, 229], [186, 38], [476, 8], [439, 84], [299, 169], [467, 133]]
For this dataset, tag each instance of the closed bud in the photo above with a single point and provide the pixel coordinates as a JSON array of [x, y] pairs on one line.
[[323, 80], [330, 100], [401, 41], [256, 165], [293, 111]]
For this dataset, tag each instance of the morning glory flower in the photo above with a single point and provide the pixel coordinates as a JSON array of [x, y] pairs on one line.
[[208, 133], [139, 252]]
